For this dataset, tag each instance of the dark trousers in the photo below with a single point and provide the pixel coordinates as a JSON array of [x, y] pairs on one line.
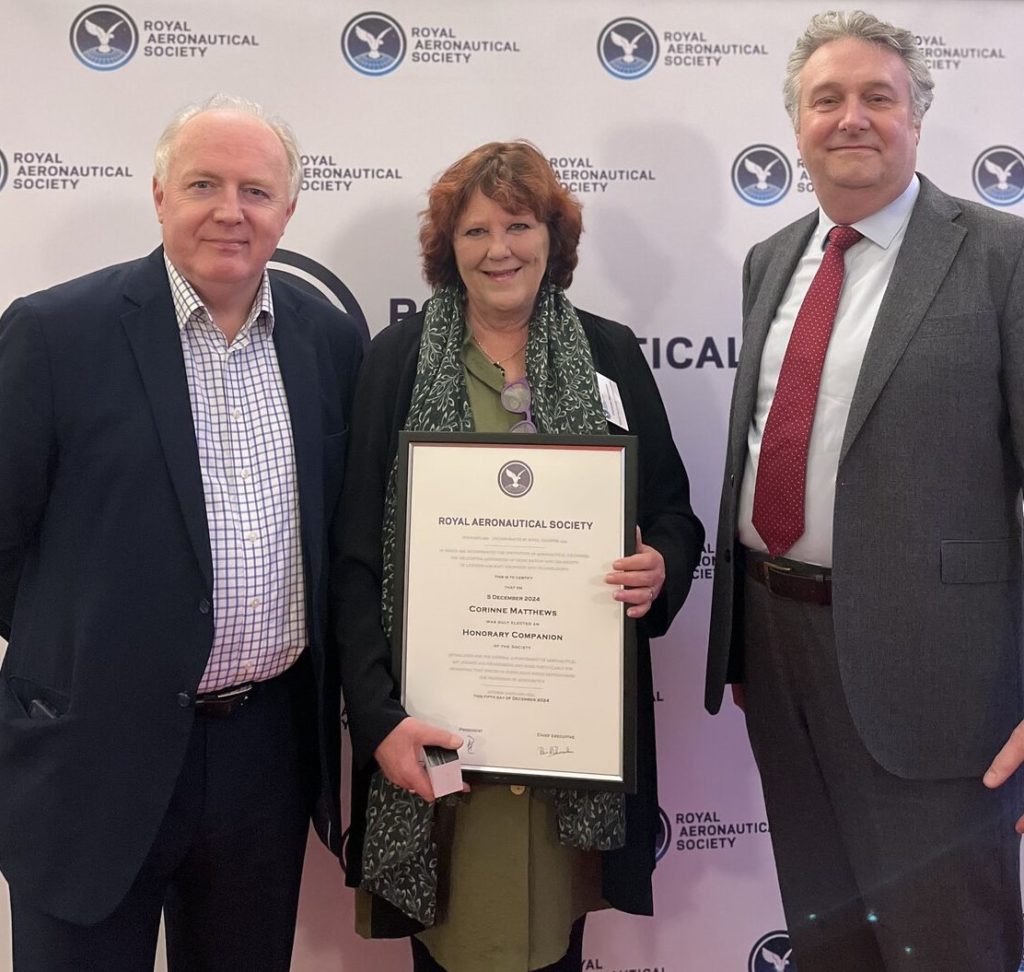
[[226, 864], [572, 961], [877, 873]]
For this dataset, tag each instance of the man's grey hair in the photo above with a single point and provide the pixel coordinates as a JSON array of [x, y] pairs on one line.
[[230, 105], [837, 24]]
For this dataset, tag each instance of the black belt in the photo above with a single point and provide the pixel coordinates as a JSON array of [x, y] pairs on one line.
[[792, 579], [224, 701]]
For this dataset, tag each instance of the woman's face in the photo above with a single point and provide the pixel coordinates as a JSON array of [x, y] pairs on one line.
[[501, 257]]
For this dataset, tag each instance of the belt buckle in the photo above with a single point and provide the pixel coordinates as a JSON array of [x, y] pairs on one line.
[[223, 703], [229, 694], [769, 569]]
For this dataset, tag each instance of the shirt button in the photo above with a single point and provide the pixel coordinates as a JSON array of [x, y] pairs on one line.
[[204, 606], [252, 536], [254, 602], [184, 700], [517, 789], [236, 413], [245, 474]]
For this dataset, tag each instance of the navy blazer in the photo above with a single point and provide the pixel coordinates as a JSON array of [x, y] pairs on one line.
[[106, 576]]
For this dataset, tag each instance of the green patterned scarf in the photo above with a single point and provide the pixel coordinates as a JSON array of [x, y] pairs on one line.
[[399, 857]]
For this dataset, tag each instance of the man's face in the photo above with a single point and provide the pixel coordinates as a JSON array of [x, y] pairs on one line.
[[225, 203], [856, 134]]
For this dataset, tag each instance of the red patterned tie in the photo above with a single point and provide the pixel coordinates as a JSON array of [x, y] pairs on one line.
[[778, 513]]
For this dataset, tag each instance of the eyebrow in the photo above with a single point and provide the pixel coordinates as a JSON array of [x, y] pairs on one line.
[[830, 85], [216, 176]]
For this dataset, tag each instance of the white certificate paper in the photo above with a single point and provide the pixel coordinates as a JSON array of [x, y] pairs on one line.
[[508, 633]]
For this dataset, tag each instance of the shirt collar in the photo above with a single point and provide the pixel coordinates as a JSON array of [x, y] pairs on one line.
[[881, 227], [188, 305]]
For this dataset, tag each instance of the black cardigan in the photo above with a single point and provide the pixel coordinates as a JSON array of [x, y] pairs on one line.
[[666, 521]]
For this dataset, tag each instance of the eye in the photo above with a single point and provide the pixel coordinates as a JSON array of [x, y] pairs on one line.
[[201, 184], [256, 191], [474, 232], [519, 227]]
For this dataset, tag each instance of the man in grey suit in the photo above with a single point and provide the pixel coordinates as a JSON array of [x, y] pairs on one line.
[[867, 602]]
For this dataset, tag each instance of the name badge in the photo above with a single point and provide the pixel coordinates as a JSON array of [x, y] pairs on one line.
[[611, 402]]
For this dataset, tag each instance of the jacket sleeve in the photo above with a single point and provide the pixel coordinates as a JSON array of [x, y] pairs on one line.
[[27, 445], [371, 697], [666, 519]]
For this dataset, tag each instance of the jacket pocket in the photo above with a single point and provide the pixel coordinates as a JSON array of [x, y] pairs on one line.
[[980, 561], [26, 698]]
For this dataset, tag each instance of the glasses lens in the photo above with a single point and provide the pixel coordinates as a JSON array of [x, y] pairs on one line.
[[516, 397]]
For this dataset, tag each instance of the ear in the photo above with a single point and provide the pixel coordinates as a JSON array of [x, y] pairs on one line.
[[158, 199], [289, 212]]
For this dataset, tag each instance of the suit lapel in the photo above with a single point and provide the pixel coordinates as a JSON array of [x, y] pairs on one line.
[[929, 247], [767, 284], [153, 335], [297, 360]]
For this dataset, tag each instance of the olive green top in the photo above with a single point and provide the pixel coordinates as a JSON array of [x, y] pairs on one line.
[[515, 891], [484, 382]]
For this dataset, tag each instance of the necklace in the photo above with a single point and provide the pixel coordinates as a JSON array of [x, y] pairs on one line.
[[497, 362]]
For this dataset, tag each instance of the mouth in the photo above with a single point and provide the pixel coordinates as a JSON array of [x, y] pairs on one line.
[[228, 244], [501, 275]]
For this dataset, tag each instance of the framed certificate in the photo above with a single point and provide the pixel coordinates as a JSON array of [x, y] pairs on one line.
[[505, 630]]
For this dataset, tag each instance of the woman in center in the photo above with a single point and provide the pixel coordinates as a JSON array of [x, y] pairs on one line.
[[500, 878]]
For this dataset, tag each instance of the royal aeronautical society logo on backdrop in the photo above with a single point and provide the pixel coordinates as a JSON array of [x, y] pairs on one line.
[[373, 43], [628, 48], [104, 38], [999, 175], [3, 170], [309, 276], [761, 175], [772, 953], [663, 839]]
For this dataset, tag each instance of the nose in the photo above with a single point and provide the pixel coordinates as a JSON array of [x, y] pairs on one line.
[[229, 207], [855, 116], [498, 248]]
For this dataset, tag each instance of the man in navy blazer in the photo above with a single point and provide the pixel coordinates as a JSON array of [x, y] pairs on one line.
[[877, 653], [173, 434]]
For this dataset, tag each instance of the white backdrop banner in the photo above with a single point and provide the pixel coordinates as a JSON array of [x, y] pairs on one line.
[[650, 110]]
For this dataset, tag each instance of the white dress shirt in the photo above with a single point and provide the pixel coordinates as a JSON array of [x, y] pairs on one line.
[[246, 455], [869, 264]]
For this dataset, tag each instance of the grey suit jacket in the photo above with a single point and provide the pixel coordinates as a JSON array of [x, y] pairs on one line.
[[927, 583]]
